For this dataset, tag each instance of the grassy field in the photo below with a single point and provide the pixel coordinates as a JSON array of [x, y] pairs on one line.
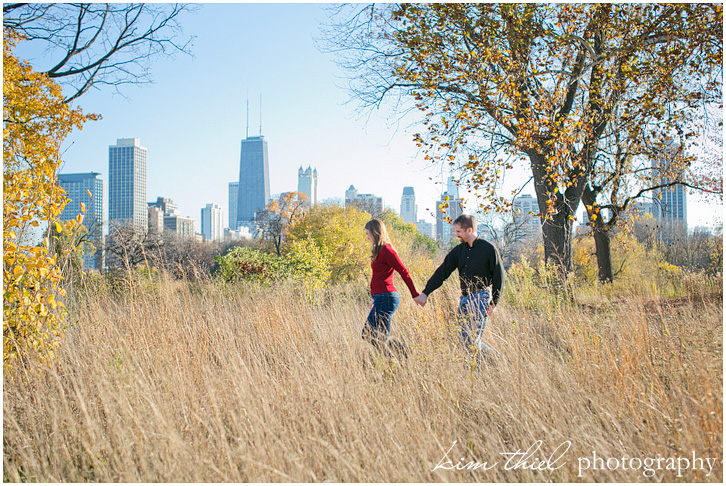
[[175, 381]]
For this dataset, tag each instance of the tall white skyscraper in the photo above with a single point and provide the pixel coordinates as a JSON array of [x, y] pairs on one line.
[[212, 225], [307, 183], [409, 209], [127, 183], [233, 195]]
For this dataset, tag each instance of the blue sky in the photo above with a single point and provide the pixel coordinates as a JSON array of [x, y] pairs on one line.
[[191, 120]]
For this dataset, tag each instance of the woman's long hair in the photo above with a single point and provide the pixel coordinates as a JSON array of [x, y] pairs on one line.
[[380, 236]]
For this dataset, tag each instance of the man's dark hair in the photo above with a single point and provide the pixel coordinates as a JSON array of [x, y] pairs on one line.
[[466, 221]]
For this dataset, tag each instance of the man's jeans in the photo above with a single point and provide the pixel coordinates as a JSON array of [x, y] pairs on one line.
[[473, 316]]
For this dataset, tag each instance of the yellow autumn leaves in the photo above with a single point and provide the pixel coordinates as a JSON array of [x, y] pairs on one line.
[[35, 122]]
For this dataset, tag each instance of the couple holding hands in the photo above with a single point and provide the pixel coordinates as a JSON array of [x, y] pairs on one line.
[[481, 277]]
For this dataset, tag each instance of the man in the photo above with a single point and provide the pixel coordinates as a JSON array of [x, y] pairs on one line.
[[480, 267]]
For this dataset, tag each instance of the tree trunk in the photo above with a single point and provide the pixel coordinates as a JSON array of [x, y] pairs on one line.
[[601, 233], [557, 230], [557, 237], [602, 251]]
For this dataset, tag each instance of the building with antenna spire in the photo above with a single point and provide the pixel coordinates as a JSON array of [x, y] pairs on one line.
[[254, 176]]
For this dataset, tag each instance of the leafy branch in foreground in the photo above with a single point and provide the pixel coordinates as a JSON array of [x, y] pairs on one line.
[[35, 121]]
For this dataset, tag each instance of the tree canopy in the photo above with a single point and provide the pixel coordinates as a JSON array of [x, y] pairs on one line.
[[555, 85]]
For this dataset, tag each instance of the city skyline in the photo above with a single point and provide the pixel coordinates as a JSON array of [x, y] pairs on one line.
[[192, 122], [193, 118]]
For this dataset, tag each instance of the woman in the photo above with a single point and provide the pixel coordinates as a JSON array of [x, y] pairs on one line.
[[384, 260]]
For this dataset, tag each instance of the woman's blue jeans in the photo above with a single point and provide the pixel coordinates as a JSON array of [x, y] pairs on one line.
[[378, 324], [473, 316]]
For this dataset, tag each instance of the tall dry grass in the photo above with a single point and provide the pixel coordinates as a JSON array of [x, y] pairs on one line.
[[172, 381]]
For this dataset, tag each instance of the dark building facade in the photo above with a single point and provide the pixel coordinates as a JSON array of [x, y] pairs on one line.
[[254, 178]]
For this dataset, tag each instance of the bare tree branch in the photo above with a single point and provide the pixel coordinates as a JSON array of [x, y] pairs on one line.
[[100, 44]]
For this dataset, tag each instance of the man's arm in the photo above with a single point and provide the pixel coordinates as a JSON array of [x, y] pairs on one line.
[[449, 264]]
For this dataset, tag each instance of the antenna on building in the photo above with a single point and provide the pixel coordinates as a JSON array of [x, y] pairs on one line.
[[260, 114], [247, 129]]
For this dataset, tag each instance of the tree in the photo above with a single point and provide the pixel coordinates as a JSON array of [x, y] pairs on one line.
[[655, 168], [69, 246], [339, 235], [279, 215], [127, 246], [93, 44], [498, 83], [183, 257], [338, 232], [90, 44], [35, 121], [509, 232]]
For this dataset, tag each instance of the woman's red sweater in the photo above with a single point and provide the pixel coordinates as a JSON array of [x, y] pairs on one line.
[[383, 267]]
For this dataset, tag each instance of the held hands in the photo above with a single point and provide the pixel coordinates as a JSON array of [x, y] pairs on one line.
[[420, 299]]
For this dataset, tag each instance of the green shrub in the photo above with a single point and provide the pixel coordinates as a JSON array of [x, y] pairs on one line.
[[307, 262], [304, 262], [243, 263]]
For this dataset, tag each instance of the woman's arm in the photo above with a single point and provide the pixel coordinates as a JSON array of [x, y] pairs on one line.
[[392, 259]]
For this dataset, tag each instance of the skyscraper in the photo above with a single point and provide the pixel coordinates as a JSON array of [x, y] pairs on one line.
[[233, 196], [523, 207], [669, 203], [166, 205], [307, 183], [78, 187], [180, 225], [156, 219], [351, 193], [452, 187], [446, 215], [448, 208], [212, 226], [127, 183], [254, 178], [408, 205]]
